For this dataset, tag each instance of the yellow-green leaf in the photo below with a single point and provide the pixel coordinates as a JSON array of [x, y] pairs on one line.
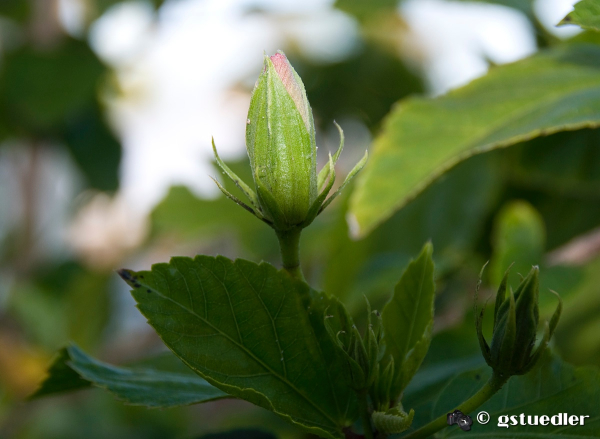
[[555, 90]]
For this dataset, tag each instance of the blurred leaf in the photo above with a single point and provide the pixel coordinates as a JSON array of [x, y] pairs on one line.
[[551, 387], [253, 332], [365, 10], [240, 434], [519, 238], [451, 353], [87, 308], [39, 89], [73, 369], [67, 302], [451, 213], [186, 217], [61, 377], [102, 6], [525, 6], [408, 319], [94, 148], [586, 14], [565, 164], [577, 335], [17, 10], [553, 91]]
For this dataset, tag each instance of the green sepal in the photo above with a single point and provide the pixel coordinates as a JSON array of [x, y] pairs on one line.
[[501, 294], [527, 316], [326, 169], [238, 201], [549, 328], [361, 163], [557, 313], [359, 352], [237, 180], [270, 206], [318, 203], [383, 386], [357, 380], [504, 345]]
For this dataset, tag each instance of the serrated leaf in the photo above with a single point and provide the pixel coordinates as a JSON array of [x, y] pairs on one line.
[[555, 90], [253, 332], [408, 319], [73, 369], [550, 388], [586, 14]]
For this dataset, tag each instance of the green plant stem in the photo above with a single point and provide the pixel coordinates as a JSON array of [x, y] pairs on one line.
[[494, 384], [365, 417], [289, 244]]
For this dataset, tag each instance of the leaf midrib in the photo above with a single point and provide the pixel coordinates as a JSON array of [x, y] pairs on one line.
[[242, 347]]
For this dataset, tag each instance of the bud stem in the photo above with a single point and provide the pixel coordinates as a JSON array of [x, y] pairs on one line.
[[365, 417], [490, 388], [289, 243]]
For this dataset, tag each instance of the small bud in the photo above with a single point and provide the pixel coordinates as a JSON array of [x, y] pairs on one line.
[[280, 139], [392, 421], [516, 319]]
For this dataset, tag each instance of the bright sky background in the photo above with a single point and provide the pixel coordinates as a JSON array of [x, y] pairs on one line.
[[179, 72]]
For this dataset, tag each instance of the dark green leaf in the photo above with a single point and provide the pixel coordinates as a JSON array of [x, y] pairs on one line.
[[240, 434], [253, 332], [464, 198], [586, 14], [555, 90], [39, 89], [73, 369], [17, 10], [550, 388], [95, 148], [408, 319]]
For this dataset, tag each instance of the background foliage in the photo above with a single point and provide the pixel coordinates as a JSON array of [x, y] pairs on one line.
[[505, 169]]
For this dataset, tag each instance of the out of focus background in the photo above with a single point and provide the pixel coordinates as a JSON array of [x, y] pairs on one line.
[[107, 109]]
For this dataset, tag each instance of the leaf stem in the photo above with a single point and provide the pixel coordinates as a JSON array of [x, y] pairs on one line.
[[289, 244], [365, 417], [490, 388]]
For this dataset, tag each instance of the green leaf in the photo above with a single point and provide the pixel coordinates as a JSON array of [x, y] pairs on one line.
[[94, 148], [408, 319], [240, 434], [253, 332], [73, 369], [550, 388], [555, 90], [40, 89], [586, 14]]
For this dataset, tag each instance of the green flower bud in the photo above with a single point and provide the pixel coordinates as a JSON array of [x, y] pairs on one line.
[[516, 320], [280, 139]]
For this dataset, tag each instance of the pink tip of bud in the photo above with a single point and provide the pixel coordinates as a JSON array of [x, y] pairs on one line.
[[285, 72], [283, 69]]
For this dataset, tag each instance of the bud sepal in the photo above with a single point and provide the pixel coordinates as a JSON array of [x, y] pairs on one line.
[[516, 318]]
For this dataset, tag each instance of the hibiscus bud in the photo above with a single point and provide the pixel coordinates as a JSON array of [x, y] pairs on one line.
[[280, 139], [516, 317]]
